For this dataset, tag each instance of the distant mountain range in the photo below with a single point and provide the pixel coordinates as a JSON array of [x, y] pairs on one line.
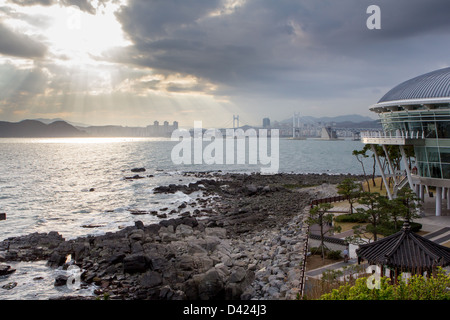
[[60, 129], [54, 128], [34, 128], [75, 124]]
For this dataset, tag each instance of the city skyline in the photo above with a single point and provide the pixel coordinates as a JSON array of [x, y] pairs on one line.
[[127, 62]]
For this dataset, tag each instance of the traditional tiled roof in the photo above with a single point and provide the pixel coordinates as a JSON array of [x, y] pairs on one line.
[[405, 250]]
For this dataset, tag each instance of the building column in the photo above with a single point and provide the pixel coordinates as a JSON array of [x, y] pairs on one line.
[[448, 198], [383, 176], [391, 168], [422, 193], [405, 163], [418, 190], [438, 201]]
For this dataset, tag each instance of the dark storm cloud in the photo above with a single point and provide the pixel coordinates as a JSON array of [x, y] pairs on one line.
[[150, 20], [33, 2], [19, 45], [84, 5], [262, 53], [278, 44], [341, 24]]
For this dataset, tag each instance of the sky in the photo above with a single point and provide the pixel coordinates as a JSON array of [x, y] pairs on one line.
[[131, 62]]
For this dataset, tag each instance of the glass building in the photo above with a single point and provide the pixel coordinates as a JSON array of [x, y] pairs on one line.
[[417, 113]]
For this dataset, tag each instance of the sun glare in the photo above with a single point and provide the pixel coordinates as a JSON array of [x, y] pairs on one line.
[[89, 140], [71, 35], [79, 35]]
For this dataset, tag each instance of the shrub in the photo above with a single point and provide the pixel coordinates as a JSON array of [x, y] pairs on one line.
[[351, 217], [415, 288], [415, 226], [334, 254], [330, 254]]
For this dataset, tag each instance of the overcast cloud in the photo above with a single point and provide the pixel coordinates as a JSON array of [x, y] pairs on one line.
[[194, 59]]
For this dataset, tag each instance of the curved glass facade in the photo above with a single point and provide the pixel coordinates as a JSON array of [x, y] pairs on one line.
[[433, 125]]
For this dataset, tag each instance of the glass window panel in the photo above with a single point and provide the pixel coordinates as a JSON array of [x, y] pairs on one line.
[[445, 155], [435, 170], [443, 129], [423, 169], [446, 171], [420, 154], [433, 154], [430, 129]]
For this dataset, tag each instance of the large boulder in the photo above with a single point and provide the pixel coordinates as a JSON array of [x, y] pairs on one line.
[[238, 282], [216, 232], [150, 279], [136, 263], [56, 259], [60, 281], [6, 270], [211, 285]]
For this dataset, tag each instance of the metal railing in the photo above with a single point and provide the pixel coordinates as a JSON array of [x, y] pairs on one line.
[[328, 200], [303, 265], [398, 134]]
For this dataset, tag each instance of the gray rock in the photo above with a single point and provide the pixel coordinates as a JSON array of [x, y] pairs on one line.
[[136, 235], [60, 281], [116, 258], [252, 266], [216, 232], [136, 247], [150, 279], [167, 293], [184, 230], [211, 285], [139, 225], [6, 270], [56, 259], [167, 237], [135, 263], [80, 250], [194, 248], [251, 189], [190, 288], [237, 275], [9, 285], [238, 283]]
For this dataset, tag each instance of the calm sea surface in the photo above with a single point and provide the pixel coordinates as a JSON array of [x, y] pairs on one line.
[[45, 186], [45, 183]]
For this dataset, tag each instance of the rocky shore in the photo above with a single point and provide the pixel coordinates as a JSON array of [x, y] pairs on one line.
[[243, 240]]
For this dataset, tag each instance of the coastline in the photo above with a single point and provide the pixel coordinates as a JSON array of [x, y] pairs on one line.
[[244, 242]]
